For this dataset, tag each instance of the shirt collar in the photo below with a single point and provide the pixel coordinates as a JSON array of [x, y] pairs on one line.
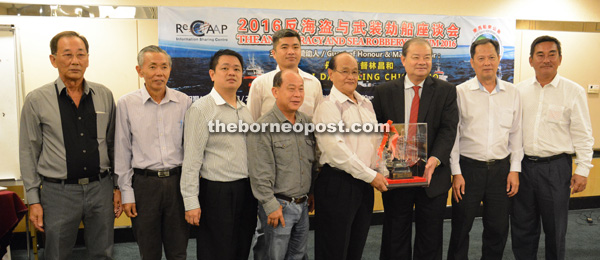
[[281, 117], [168, 95], [409, 84], [61, 85], [340, 97], [220, 101], [553, 83], [482, 88]]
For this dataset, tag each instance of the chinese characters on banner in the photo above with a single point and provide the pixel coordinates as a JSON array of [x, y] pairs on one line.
[[191, 35]]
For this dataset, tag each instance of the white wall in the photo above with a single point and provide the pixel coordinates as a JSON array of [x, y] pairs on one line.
[[9, 107], [113, 49]]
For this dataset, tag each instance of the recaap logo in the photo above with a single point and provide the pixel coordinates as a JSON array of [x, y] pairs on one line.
[[197, 28], [200, 28]]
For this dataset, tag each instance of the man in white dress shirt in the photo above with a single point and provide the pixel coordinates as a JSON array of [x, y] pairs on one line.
[[486, 157], [556, 125], [343, 192], [286, 51]]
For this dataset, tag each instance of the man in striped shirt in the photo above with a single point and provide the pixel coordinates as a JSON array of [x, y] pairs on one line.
[[148, 156], [221, 202]]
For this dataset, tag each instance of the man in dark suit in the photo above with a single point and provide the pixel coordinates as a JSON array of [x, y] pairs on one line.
[[434, 104]]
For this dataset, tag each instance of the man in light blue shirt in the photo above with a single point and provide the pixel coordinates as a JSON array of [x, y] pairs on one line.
[[148, 158]]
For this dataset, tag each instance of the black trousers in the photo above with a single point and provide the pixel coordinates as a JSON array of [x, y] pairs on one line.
[[397, 224], [344, 206], [161, 217], [227, 220], [544, 192], [487, 184]]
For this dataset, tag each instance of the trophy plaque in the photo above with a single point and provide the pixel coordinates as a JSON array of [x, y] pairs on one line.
[[404, 152]]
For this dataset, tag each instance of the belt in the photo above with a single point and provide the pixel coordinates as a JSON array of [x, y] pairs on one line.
[[537, 159], [484, 163], [80, 181], [299, 200], [159, 173]]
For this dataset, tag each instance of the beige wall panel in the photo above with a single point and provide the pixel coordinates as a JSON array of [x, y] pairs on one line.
[[550, 10], [147, 31]]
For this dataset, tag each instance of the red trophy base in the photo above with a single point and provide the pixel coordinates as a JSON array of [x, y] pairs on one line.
[[415, 181]]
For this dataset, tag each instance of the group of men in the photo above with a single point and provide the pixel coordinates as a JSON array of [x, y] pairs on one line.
[[508, 147]]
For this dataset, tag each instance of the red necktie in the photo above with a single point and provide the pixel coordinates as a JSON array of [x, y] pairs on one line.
[[414, 108], [412, 129]]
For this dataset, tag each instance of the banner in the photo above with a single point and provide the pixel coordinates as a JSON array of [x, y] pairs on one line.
[[191, 35]]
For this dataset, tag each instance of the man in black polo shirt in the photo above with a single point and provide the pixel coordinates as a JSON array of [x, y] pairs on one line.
[[66, 150]]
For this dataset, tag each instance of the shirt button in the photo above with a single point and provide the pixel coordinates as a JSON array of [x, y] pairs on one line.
[[85, 168], [79, 118], [83, 151], [81, 134]]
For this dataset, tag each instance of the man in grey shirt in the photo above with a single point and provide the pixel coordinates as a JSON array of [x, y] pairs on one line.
[[227, 218], [148, 156], [66, 152], [282, 166]]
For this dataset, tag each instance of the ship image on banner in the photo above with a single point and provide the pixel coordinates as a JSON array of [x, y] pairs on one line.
[[191, 35]]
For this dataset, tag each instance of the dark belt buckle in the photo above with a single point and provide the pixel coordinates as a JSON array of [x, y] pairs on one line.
[[83, 181], [163, 173], [300, 199], [490, 163]]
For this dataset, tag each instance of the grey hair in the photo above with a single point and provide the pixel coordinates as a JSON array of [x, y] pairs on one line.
[[152, 48]]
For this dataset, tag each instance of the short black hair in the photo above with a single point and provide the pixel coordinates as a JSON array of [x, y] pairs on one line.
[[284, 33], [277, 80], [57, 37], [214, 60], [413, 41], [545, 38], [482, 42], [331, 64]]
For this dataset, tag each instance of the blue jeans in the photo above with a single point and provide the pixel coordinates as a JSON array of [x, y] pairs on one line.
[[287, 242]]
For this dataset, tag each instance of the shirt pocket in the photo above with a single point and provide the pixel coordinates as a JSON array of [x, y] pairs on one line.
[[282, 150], [308, 150], [506, 118], [174, 130], [101, 124], [555, 114]]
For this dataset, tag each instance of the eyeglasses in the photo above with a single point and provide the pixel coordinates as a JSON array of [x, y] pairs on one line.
[[346, 73], [69, 56]]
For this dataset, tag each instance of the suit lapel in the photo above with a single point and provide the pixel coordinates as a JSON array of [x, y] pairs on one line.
[[398, 101], [426, 96]]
